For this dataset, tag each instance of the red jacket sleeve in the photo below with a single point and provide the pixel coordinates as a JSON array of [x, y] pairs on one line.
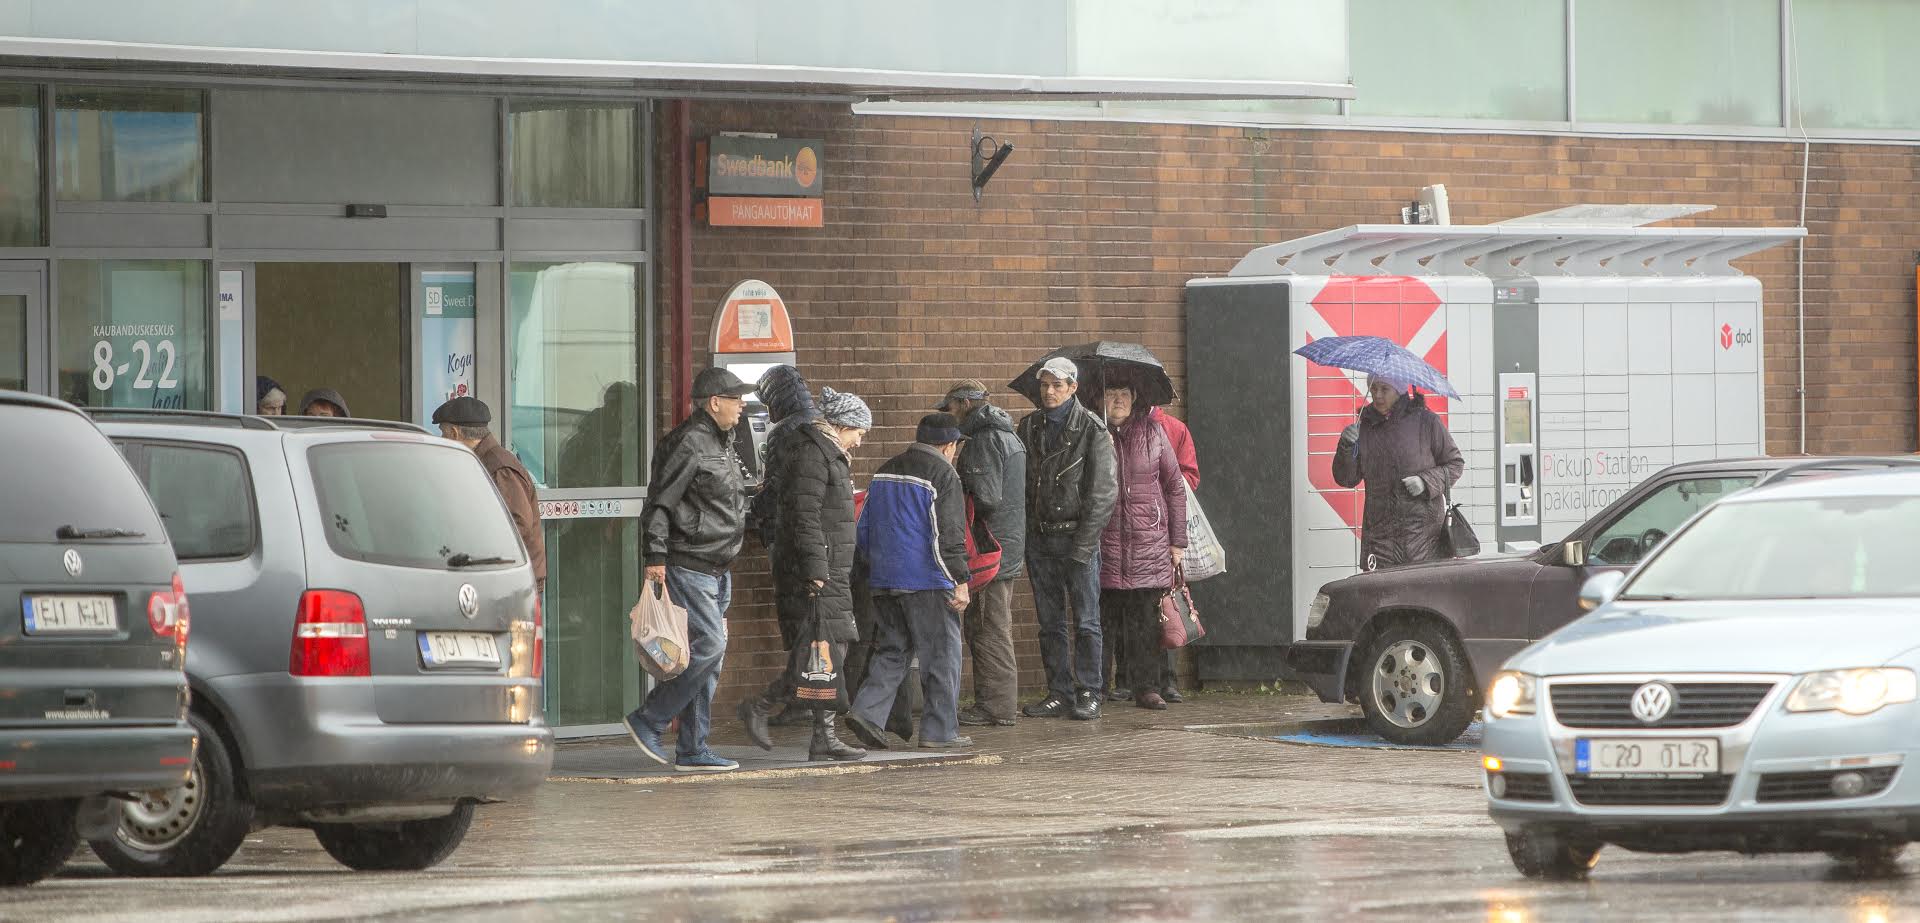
[[1181, 439]]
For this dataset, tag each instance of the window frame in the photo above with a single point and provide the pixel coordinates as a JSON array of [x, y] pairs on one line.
[[138, 452]]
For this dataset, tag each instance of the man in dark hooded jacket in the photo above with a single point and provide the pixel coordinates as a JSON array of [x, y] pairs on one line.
[[1406, 458], [993, 471]]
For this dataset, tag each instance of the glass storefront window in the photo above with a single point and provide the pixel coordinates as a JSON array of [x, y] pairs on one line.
[[574, 396], [1707, 62], [575, 154], [1476, 59], [1841, 81], [133, 333], [129, 144], [13, 343], [593, 577], [19, 166]]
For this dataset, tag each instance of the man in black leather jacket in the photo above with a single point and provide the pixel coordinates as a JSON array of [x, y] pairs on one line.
[[692, 527], [1071, 490]]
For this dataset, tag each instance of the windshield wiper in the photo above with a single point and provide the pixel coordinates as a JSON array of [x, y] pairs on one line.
[[464, 559], [73, 533]]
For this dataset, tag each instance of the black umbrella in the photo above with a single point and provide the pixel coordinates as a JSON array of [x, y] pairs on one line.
[[1100, 360]]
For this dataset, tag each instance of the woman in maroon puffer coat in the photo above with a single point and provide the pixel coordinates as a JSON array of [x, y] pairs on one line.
[[1143, 543]]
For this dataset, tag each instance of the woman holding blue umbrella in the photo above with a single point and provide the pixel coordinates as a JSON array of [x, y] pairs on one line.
[[1402, 452]]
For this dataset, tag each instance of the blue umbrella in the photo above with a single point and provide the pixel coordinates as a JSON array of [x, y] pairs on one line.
[[1381, 357]]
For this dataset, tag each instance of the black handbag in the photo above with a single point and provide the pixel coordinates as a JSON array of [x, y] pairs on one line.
[[815, 668], [1461, 542]]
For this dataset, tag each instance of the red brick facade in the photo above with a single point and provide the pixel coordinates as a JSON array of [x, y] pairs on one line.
[[1091, 230]]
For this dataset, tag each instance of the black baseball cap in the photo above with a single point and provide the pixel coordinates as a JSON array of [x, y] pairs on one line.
[[718, 382]]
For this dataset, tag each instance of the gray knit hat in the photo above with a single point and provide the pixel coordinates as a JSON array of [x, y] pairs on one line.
[[844, 410]]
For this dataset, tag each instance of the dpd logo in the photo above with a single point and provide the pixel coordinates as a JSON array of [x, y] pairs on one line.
[[1730, 336]]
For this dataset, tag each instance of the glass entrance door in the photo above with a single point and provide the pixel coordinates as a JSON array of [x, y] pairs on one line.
[[23, 358]]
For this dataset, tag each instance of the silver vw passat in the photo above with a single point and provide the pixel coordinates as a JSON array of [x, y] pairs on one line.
[[1749, 687]]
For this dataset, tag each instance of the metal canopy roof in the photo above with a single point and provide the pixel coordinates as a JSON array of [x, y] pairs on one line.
[[1502, 250]]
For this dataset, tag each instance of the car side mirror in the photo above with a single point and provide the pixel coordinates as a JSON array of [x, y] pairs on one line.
[[1573, 554], [1600, 589]]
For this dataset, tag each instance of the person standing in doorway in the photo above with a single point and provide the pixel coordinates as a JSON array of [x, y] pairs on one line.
[[693, 525], [812, 555], [323, 402], [993, 471], [1070, 496], [269, 399], [1142, 546], [1404, 455], [913, 536], [464, 420]]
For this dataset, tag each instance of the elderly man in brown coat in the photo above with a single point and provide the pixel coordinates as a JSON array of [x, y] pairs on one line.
[[1402, 451], [464, 420]]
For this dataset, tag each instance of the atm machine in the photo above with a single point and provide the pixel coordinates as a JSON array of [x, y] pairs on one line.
[[752, 332]]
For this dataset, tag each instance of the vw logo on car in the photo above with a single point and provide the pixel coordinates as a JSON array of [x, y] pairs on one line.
[[1652, 702], [469, 600], [73, 563]]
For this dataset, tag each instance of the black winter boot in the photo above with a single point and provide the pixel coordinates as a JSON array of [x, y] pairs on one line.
[[754, 713], [827, 745]]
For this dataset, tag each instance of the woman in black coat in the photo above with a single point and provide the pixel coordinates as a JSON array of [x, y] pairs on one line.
[[812, 554]]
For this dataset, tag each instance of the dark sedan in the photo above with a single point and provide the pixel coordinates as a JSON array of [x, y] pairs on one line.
[[1412, 644]]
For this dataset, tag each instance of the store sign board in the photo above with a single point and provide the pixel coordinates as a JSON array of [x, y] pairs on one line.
[[744, 212], [749, 166], [446, 338]]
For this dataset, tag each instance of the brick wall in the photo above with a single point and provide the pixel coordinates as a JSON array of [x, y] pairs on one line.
[[1091, 230]]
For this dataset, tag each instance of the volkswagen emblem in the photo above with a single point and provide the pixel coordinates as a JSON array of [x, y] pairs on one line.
[[1652, 702], [72, 560], [469, 600]]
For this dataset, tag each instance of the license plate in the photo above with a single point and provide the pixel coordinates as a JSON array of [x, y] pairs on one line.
[[1647, 756], [70, 615], [459, 648]]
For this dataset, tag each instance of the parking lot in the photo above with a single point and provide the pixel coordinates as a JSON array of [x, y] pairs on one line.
[[1185, 814]]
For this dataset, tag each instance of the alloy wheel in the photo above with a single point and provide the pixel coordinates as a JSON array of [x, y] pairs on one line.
[[1407, 683]]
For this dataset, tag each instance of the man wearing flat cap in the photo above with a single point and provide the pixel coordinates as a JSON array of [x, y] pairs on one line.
[[993, 470], [464, 420], [1071, 491], [692, 528], [912, 535]]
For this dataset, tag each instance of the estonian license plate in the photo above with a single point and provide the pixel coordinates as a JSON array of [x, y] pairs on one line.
[[1647, 756], [76, 615], [459, 648]]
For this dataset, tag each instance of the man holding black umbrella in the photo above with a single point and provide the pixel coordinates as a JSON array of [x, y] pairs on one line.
[[1071, 490]]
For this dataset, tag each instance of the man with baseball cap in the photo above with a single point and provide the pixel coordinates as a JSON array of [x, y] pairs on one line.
[[693, 525], [1071, 491], [464, 420], [913, 537], [993, 470]]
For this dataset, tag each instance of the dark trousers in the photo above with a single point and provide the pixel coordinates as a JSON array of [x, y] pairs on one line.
[[1135, 617], [1117, 657], [989, 629], [860, 656], [915, 623], [1066, 597]]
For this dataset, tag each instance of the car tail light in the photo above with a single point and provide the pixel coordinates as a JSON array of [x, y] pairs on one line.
[[539, 638], [167, 613], [330, 636]]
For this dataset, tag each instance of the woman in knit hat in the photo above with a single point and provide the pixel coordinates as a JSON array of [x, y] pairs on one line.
[[812, 556]]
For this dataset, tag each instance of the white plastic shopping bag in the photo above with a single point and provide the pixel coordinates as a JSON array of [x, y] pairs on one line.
[[1206, 557], [659, 632]]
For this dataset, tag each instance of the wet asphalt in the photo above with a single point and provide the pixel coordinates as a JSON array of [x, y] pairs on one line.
[[1135, 817]]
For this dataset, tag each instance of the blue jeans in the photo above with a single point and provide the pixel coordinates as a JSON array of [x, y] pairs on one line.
[[689, 696], [1066, 596], [916, 623]]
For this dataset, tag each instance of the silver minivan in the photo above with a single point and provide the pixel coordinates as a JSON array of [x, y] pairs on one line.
[[367, 639]]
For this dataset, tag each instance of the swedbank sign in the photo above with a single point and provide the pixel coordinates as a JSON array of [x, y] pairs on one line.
[[763, 182]]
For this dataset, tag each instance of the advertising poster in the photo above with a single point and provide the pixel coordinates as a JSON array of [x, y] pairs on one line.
[[446, 339], [143, 351], [235, 391]]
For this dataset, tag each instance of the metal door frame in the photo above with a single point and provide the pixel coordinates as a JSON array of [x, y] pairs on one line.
[[28, 279]]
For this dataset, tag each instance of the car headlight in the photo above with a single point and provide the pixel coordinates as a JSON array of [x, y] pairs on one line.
[[1317, 613], [1854, 692], [1511, 695]]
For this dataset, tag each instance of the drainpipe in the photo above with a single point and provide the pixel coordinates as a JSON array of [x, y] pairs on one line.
[[683, 260]]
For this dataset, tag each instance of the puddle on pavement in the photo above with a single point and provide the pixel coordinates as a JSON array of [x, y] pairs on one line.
[[1332, 732]]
